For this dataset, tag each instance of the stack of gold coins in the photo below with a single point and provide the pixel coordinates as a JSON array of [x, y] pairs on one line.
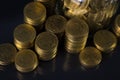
[[50, 6], [76, 34], [46, 45], [105, 41], [7, 53], [34, 13], [90, 57], [75, 7], [116, 27], [26, 60], [55, 24], [24, 35]]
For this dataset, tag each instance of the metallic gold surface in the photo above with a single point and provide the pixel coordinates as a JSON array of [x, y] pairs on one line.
[[90, 57], [26, 60], [46, 45], [7, 53], [76, 34], [116, 27], [34, 13], [105, 41], [24, 35], [56, 24]]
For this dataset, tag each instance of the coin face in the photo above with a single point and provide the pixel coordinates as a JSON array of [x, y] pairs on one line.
[[77, 27], [46, 41], [24, 35], [26, 60], [55, 24], [105, 40], [90, 57], [7, 53]]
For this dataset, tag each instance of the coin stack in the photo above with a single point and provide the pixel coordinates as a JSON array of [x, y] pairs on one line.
[[34, 13], [46, 45], [116, 27], [76, 34], [26, 60], [7, 53], [105, 41], [24, 35], [56, 25], [90, 57], [75, 7], [50, 6]]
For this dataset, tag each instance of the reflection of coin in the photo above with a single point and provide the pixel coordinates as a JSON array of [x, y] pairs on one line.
[[26, 60], [34, 13], [7, 53], [90, 57], [46, 45], [105, 41], [24, 36], [76, 34], [55, 24]]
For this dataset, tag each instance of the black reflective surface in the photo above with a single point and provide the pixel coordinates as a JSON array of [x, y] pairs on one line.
[[64, 66]]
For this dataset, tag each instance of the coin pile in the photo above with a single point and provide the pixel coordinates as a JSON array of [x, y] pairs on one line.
[[24, 35], [105, 41], [46, 45], [55, 24], [26, 60], [7, 53], [76, 34], [75, 7], [34, 13], [116, 27], [90, 57]]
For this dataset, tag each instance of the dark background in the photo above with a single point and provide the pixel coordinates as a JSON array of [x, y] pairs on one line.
[[64, 66]]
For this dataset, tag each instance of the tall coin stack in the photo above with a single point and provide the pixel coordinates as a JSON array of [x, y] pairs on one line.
[[76, 34], [24, 35], [116, 27], [46, 45], [35, 14]]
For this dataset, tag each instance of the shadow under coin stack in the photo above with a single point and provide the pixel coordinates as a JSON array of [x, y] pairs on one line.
[[35, 14], [24, 35], [26, 60], [56, 25], [76, 34], [105, 41], [46, 45], [116, 27]]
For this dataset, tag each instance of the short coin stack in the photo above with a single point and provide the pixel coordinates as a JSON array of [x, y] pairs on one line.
[[105, 41], [56, 25], [7, 53], [26, 60], [76, 34], [90, 57], [46, 45], [34, 13], [24, 35], [116, 27]]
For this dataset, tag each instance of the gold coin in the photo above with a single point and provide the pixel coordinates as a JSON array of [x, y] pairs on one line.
[[105, 41], [55, 24], [42, 0], [7, 53], [90, 57], [24, 35], [46, 45], [76, 34], [34, 13], [26, 60]]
